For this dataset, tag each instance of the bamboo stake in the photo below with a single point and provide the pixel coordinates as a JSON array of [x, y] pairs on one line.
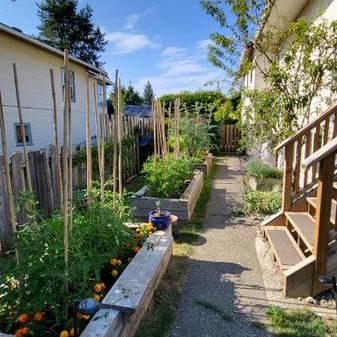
[[22, 129], [177, 123], [120, 179], [99, 145], [154, 128], [59, 188], [70, 164], [162, 115], [88, 146], [115, 140], [12, 212], [66, 173]]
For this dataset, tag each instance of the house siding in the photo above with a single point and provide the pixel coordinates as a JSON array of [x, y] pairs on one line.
[[33, 69]]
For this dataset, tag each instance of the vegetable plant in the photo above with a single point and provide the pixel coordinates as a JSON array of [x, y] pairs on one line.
[[165, 177]]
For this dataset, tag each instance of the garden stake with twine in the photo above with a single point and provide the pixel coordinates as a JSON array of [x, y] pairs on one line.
[[120, 178]]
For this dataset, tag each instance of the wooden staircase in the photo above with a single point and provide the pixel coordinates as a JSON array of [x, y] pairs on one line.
[[303, 234]]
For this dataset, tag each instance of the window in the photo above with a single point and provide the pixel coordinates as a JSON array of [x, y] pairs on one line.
[[18, 135], [72, 84], [100, 94]]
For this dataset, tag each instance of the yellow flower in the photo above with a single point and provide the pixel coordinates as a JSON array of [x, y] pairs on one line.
[[119, 262], [99, 286], [114, 272], [114, 262]]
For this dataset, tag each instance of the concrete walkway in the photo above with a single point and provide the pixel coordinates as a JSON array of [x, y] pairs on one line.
[[224, 268]]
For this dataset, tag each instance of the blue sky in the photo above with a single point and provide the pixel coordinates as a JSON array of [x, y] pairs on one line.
[[162, 41]]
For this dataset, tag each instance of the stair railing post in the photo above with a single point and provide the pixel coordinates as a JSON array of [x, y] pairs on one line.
[[287, 177], [322, 221]]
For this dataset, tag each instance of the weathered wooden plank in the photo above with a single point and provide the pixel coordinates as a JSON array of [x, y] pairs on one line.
[[5, 225], [287, 177]]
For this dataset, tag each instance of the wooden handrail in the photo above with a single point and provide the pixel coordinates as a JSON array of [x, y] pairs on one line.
[[308, 127], [320, 154]]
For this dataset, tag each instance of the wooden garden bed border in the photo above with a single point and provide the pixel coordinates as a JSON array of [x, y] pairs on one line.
[[183, 207], [142, 276], [207, 165]]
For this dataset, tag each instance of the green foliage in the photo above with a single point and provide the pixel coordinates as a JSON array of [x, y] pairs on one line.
[[148, 94], [195, 138], [130, 96], [64, 26], [238, 21], [165, 177], [296, 323], [258, 169], [188, 100], [97, 235], [262, 202]]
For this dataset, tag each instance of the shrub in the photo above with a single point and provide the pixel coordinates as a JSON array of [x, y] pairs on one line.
[[258, 169], [262, 202], [165, 177]]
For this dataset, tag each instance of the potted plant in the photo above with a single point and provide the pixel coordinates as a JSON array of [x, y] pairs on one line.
[[160, 218]]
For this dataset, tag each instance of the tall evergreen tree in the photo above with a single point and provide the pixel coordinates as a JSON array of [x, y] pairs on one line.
[[64, 26], [148, 94]]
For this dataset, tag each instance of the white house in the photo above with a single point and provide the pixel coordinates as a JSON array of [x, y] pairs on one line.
[[34, 60], [282, 13]]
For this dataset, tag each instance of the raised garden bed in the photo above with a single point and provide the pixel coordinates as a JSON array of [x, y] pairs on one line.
[[133, 290], [183, 207], [206, 165]]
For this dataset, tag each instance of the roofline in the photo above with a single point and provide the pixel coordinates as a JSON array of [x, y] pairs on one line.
[[11, 31]]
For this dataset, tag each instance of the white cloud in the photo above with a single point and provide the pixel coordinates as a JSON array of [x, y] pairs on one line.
[[182, 69], [131, 21], [125, 42]]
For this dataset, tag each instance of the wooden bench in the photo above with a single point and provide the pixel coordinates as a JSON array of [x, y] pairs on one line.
[[285, 248]]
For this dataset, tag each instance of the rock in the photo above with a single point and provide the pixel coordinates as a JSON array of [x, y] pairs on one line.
[[299, 299], [332, 304], [316, 301], [309, 300], [324, 303]]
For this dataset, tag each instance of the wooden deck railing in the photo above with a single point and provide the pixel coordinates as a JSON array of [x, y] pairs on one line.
[[299, 179], [325, 157]]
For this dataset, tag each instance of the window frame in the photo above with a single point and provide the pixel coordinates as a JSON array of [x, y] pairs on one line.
[[99, 95], [28, 127], [72, 85]]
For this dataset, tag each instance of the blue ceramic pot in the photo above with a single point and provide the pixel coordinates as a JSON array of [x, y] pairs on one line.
[[162, 220]]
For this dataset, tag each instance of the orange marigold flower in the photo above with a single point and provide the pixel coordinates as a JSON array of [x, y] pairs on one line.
[[99, 286], [21, 332], [38, 317], [114, 272], [23, 318]]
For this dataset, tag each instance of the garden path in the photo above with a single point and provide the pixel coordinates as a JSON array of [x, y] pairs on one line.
[[225, 274]]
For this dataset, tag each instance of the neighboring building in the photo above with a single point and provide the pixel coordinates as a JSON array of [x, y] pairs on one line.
[[138, 111], [282, 13], [34, 60]]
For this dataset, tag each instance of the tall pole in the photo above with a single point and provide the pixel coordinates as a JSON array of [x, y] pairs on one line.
[[88, 145], [22, 129], [59, 189], [12, 213]]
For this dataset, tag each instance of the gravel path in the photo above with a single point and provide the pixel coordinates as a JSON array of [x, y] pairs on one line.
[[224, 269]]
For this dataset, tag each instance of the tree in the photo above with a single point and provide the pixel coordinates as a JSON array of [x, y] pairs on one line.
[[298, 65], [64, 26], [130, 96], [148, 94]]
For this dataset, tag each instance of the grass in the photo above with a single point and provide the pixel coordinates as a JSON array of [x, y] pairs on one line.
[[213, 307], [299, 323], [161, 315]]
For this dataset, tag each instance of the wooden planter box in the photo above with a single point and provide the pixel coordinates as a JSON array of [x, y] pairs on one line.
[[139, 281], [183, 207], [206, 166]]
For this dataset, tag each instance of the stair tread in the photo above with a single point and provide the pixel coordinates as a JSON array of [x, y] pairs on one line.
[[286, 251], [304, 224], [313, 202]]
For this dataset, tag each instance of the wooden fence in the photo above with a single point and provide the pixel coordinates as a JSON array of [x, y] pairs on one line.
[[230, 138], [42, 166]]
